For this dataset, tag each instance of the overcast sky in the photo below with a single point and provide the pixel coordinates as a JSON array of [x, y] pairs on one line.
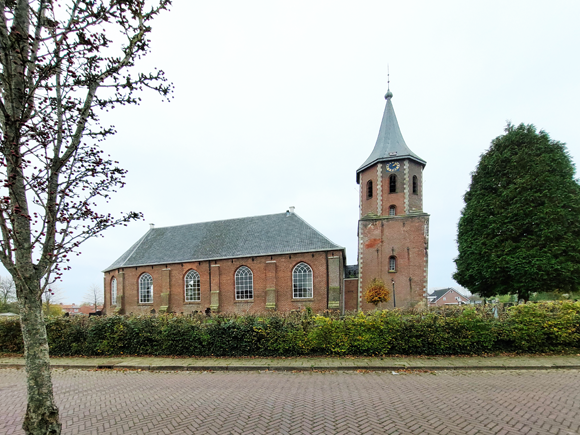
[[277, 103]]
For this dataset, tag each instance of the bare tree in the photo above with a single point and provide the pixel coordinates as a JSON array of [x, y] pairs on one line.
[[94, 296], [7, 290], [61, 63]]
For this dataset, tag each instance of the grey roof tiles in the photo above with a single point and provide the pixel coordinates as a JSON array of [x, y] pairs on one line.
[[272, 234], [351, 271], [390, 144], [438, 294]]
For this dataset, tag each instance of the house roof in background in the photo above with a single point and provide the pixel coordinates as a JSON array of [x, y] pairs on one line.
[[438, 294]]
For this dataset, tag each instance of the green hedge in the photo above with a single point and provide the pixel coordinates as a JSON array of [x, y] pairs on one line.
[[530, 328]]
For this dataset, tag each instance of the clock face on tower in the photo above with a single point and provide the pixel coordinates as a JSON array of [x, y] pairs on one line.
[[393, 166]]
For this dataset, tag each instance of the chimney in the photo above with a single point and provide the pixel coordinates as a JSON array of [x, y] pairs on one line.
[[151, 226], [292, 209]]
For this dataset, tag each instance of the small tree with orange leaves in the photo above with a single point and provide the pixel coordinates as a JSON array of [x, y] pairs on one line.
[[377, 292]]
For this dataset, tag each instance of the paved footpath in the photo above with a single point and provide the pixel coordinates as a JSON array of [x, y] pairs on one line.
[[452, 402], [312, 363]]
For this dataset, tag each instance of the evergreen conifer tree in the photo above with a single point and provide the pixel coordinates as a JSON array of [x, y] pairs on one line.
[[519, 232]]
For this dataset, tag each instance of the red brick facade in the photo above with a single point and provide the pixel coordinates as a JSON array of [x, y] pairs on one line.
[[272, 285], [350, 294], [393, 246], [402, 237], [75, 310]]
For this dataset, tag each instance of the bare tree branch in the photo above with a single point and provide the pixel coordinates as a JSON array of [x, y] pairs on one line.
[[61, 66]]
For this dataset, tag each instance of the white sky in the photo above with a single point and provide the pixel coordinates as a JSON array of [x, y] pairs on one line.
[[277, 103]]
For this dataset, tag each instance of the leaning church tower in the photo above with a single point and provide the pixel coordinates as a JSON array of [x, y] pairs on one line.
[[393, 230]]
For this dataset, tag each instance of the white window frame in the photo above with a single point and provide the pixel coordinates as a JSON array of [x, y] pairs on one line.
[[145, 289], [114, 291], [392, 263], [302, 281], [192, 283], [244, 284], [393, 210]]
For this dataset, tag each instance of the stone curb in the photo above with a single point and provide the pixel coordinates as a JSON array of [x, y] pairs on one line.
[[237, 368]]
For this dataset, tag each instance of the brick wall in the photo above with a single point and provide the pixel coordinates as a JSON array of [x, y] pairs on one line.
[[272, 282], [415, 200], [368, 205], [404, 238], [403, 199], [350, 294]]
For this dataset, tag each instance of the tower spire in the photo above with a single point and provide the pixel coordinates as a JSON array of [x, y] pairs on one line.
[[390, 144]]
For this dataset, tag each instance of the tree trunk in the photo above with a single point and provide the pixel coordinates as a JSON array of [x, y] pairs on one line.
[[41, 414]]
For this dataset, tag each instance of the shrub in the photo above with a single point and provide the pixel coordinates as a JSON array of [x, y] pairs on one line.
[[542, 327], [377, 292], [11, 336], [533, 327]]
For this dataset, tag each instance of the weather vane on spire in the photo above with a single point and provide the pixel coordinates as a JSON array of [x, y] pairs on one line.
[[389, 94]]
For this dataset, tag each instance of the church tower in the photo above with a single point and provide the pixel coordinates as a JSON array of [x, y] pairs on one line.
[[393, 230]]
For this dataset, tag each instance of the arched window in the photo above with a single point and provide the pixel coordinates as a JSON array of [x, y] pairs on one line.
[[392, 183], [114, 291], [415, 185], [302, 281], [192, 293], [244, 283], [369, 189], [392, 210], [145, 289], [392, 264]]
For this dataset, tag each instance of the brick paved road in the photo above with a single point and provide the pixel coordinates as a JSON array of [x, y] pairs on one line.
[[474, 402]]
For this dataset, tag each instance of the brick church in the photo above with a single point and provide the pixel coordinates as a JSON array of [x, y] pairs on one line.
[[278, 261]]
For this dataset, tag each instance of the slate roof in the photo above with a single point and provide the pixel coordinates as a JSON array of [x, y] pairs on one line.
[[351, 271], [439, 293], [390, 144], [282, 233]]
